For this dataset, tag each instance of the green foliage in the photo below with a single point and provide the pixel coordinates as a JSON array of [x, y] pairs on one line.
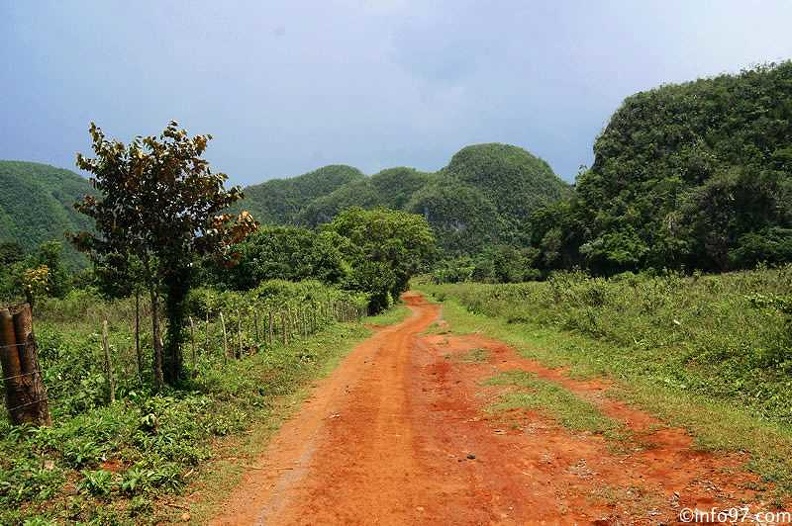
[[285, 253], [160, 208], [385, 249], [463, 219], [726, 337], [36, 206], [390, 188], [483, 197], [109, 464], [515, 181], [323, 209], [281, 201], [396, 186], [694, 176], [29, 277]]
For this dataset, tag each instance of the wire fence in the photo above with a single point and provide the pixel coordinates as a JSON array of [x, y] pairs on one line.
[[212, 338]]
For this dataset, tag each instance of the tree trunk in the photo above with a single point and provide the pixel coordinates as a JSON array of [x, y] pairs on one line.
[[26, 396], [177, 286]]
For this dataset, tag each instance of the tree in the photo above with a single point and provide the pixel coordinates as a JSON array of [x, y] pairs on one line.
[[386, 248], [287, 253], [160, 207]]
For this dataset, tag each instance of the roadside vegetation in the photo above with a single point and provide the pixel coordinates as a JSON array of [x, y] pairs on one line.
[[710, 353], [125, 462]]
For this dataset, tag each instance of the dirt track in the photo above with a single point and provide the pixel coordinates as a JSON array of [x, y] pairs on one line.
[[399, 434]]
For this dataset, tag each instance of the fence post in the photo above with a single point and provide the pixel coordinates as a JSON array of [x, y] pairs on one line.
[[108, 364], [138, 353], [26, 396], [192, 338], [225, 337], [239, 334], [271, 328]]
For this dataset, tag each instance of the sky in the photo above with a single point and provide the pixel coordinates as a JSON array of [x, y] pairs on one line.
[[285, 87]]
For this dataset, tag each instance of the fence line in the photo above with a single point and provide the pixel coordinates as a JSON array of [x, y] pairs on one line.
[[259, 327]]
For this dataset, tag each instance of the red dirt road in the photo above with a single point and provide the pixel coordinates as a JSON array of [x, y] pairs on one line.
[[400, 434]]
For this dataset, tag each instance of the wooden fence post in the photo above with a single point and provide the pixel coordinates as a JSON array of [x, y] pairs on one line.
[[138, 352], [192, 338], [239, 335], [108, 364], [225, 337], [26, 396], [271, 329]]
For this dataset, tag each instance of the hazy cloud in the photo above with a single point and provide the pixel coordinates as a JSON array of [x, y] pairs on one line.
[[285, 87]]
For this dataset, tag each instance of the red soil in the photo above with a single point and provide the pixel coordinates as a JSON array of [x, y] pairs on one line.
[[400, 434]]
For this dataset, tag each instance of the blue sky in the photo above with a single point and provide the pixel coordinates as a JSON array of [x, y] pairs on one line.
[[288, 86]]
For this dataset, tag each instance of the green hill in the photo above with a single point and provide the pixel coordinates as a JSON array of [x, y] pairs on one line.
[[485, 195], [36, 204], [695, 175], [280, 201], [390, 188]]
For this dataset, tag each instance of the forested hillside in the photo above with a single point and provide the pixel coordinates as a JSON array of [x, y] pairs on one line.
[[280, 201], [37, 204], [696, 175], [484, 196]]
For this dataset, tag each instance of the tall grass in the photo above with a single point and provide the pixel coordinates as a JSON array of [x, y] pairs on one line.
[[728, 337]]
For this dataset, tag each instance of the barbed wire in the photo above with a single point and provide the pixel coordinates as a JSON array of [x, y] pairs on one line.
[[20, 406], [13, 345], [19, 375]]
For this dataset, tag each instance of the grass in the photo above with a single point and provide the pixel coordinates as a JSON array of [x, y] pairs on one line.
[[477, 355], [710, 354], [392, 316], [551, 400]]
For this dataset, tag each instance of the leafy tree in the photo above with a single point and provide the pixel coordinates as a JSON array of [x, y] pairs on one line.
[[160, 207], [50, 255], [287, 253], [386, 248], [34, 283]]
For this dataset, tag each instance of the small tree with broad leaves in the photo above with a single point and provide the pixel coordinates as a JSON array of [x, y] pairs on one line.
[[159, 208]]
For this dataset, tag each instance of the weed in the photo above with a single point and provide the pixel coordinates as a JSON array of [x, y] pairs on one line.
[[477, 355], [98, 482], [551, 400]]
